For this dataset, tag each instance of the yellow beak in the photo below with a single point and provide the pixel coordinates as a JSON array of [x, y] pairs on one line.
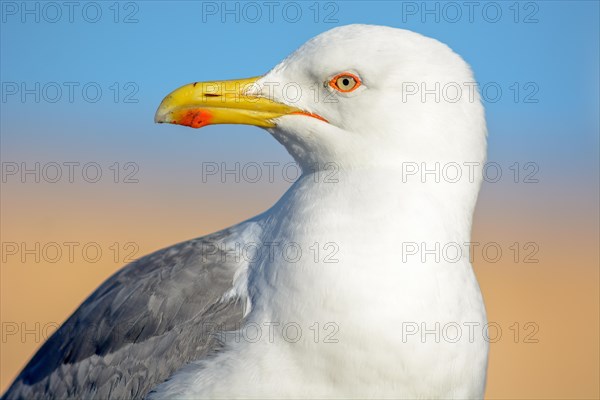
[[223, 102]]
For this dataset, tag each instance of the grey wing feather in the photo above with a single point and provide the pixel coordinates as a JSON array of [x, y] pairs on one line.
[[142, 324]]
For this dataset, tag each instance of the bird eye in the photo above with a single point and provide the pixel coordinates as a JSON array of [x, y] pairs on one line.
[[345, 82]]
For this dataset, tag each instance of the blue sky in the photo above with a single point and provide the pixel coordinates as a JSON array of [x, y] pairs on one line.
[[547, 50]]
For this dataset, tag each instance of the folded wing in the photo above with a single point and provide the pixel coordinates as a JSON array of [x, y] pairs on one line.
[[143, 323]]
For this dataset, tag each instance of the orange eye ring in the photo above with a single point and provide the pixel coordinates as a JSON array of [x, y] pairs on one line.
[[345, 82]]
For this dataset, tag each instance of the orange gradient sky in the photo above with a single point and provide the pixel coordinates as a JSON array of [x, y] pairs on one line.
[[543, 56], [559, 294]]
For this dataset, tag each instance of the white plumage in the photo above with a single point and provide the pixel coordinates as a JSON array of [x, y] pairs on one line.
[[336, 307], [373, 296]]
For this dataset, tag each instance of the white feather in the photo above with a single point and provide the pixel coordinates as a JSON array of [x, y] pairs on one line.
[[371, 293]]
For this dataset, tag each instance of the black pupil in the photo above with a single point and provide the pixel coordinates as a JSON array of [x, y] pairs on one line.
[[346, 82]]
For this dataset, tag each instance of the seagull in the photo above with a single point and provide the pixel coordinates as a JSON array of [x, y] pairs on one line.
[[357, 283]]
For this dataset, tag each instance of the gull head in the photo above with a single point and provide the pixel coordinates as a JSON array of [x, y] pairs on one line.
[[359, 96]]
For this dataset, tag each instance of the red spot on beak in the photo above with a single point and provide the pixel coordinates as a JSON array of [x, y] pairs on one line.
[[195, 118]]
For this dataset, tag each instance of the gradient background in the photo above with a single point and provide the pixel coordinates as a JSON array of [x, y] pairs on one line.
[[173, 43]]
